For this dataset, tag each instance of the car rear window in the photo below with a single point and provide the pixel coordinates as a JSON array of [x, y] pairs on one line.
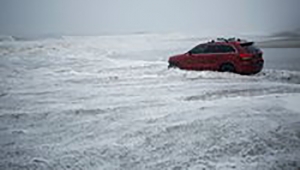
[[250, 47]]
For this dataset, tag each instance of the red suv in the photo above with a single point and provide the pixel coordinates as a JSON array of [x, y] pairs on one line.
[[226, 55]]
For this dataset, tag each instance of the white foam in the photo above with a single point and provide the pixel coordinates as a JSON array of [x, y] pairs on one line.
[[110, 102]]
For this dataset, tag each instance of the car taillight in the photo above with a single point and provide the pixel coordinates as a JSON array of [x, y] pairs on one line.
[[246, 56]]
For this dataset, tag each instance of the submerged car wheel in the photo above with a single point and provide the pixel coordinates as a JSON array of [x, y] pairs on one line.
[[227, 67], [172, 65]]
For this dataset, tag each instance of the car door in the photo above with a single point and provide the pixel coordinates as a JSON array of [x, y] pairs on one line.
[[211, 56], [229, 54], [195, 59], [217, 54]]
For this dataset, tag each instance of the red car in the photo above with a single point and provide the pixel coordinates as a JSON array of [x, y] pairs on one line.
[[225, 55]]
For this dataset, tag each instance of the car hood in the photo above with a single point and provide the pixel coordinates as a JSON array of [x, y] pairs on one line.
[[176, 57]]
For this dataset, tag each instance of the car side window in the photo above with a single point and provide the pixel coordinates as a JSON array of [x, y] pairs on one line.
[[209, 49], [226, 49], [200, 49], [220, 49], [212, 49]]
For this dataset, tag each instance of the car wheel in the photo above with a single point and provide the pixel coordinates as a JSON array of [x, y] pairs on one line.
[[172, 65], [227, 68]]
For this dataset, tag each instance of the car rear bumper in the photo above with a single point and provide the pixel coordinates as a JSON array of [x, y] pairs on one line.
[[251, 68]]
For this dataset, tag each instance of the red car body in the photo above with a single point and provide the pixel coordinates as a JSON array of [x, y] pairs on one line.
[[227, 55]]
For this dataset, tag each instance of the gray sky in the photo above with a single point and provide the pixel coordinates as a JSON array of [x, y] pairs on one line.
[[122, 16]]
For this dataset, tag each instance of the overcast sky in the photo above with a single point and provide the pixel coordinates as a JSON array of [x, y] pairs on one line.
[[124, 16]]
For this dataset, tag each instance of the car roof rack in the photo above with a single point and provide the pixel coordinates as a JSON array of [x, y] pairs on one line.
[[219, 40], [233, 39], [222, 40]]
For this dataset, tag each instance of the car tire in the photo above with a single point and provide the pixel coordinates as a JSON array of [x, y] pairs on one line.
[[172, 65], [227, 67]]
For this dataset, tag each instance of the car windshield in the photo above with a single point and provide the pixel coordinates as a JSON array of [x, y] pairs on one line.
[[198, 49]]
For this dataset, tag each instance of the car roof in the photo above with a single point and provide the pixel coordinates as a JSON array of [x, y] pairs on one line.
[[229, 41]]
